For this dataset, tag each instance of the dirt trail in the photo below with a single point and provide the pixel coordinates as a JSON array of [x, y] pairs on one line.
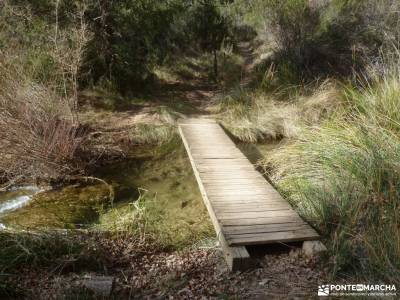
[[247, 52]]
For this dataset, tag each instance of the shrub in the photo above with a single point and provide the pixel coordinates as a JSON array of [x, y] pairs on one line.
[[39, 68], [39, 136]]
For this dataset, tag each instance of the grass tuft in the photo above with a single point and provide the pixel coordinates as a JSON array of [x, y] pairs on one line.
[[258, 117], [149, 134]]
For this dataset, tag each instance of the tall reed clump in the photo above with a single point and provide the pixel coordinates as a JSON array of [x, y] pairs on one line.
[[344, 177]]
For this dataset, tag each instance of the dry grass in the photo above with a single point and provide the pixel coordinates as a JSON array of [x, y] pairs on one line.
[[257, 116]]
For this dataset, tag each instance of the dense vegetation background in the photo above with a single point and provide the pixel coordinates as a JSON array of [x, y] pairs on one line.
[[324, 80]]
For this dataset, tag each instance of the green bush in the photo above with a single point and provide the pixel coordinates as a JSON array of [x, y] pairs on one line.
[[130, 37]]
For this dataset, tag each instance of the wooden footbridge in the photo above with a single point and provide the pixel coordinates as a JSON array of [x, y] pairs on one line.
[[244, 208]]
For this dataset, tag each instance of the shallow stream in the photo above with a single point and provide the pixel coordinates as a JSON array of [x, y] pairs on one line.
[[161, 175]]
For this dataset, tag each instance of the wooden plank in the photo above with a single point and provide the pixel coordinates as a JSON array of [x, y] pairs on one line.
[[248, 199], [246, 194], [220, 169], [239, 181], [224, 161], [234, 186], [245, 198], [273, 237], [229, 161], [261, 202], [232, 205], [229, 187], [191, 121], [242, 204], [231, 176], [228, 177], [232, 230], [255, 215], [236, 194], [232, 190], [265, 197], [233, 172], [257, 183], [228, 164], [238, 190], [215, 148], [245, 209], [261, 221]]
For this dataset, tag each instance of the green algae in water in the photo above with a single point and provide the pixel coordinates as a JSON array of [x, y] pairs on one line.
[[69, 207], [171, 204]]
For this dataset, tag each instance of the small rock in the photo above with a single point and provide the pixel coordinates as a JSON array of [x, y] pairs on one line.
[[311, 248], [100, 285], [265, 281]]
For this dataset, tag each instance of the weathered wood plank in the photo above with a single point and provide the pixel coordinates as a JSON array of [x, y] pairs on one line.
[[243, 199], [230, 205], [222, 215], [232, 230], [273, 237], [261, 221], [224, 211]]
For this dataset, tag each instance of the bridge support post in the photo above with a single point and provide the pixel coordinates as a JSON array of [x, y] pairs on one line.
[[237, 258]]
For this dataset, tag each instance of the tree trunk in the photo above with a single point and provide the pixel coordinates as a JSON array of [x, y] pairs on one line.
[[215, 65], [105, 33]]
